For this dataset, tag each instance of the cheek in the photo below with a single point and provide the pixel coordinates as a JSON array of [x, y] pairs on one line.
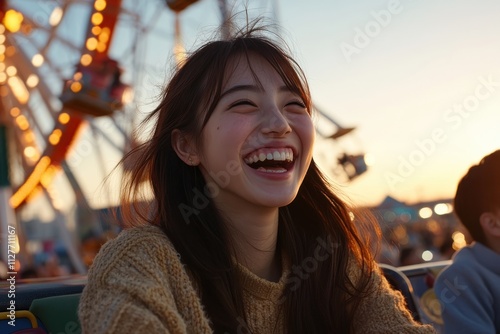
[[306, 132]]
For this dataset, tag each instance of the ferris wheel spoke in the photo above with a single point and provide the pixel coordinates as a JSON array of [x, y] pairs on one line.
[[47, 61], [29, 72], [98, 131]]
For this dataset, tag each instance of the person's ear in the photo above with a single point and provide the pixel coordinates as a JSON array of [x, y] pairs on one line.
[[185, 148], [490, 223]]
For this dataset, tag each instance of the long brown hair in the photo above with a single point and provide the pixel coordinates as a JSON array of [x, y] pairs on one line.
[[327, 300]]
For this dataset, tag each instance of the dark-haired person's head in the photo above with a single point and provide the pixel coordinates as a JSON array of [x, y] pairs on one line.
[[477, 200]]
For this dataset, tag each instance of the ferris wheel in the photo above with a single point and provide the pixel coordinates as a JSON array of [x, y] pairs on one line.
[[64, 102]]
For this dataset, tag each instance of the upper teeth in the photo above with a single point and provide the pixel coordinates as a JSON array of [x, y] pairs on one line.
[[281, 154]]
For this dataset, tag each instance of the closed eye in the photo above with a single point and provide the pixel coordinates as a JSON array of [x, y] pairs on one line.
[[297, 103], [242, 103]]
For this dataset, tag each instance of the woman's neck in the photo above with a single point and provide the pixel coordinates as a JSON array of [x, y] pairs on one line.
[[254, 237]]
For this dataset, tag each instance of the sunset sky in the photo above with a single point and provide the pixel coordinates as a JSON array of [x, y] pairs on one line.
[[420, 81]]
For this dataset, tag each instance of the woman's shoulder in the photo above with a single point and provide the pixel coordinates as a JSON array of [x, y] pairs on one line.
[[137, 239], [135, 247]]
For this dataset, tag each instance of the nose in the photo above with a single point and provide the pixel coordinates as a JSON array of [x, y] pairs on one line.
[[276, 123]]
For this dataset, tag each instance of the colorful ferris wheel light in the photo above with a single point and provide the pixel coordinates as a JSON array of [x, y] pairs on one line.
[[96, 30], [13, 20], [14, 112], [56, 16], [104, 36], [97, 18], [86, 60], [63, 118], [91, 43], [101, 47], [31, 153], [19, 89], [29, 186], [11, 71], [37, 60], [22, 122], [76, 87], [55, 137], [100, 5], [32, 80]]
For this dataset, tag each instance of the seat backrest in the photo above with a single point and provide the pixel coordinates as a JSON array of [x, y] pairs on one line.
[[19, 322], [398, 280], [59, 314]]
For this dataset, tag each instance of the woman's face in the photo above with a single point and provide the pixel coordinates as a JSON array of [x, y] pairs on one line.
[[257, 144]]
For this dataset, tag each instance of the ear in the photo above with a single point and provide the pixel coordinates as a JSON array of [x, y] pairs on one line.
[[490, 223], [185, 148]]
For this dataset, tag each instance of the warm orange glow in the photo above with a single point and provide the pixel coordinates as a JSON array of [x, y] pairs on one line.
[[31, 153], [77, 76], [76, 87], [2, 57], [56, 16], [26, 28], [31, 183], [2, 49], [22, 122], [19, 89], [10, 51], [29, 136], [91, 43], [101, 47], [63, 118], [179, 54], [128, 95], [104, 37], [96, 30], [3, 77], [458, 240], [4, 91], [54, 139], [15, 111], [2, 38], [100, 5], [97, 19], [12, 20], [2, 28], [11, 71], [32, 80], [86, 59], [37, 60]]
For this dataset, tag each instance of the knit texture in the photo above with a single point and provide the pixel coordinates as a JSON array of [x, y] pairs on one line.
[[137, 283]]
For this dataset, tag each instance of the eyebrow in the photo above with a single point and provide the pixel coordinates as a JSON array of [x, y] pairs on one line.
[[252, 88]]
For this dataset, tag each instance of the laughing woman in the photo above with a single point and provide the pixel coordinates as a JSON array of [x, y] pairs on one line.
[[246, 235]]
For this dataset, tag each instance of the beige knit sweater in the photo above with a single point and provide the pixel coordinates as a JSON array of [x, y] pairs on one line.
[[137, 284]]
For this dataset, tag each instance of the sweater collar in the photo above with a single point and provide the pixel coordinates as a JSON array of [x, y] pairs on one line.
[[262, 288]]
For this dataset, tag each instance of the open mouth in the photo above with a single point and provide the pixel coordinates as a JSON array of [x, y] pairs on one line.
[[271, 160]]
